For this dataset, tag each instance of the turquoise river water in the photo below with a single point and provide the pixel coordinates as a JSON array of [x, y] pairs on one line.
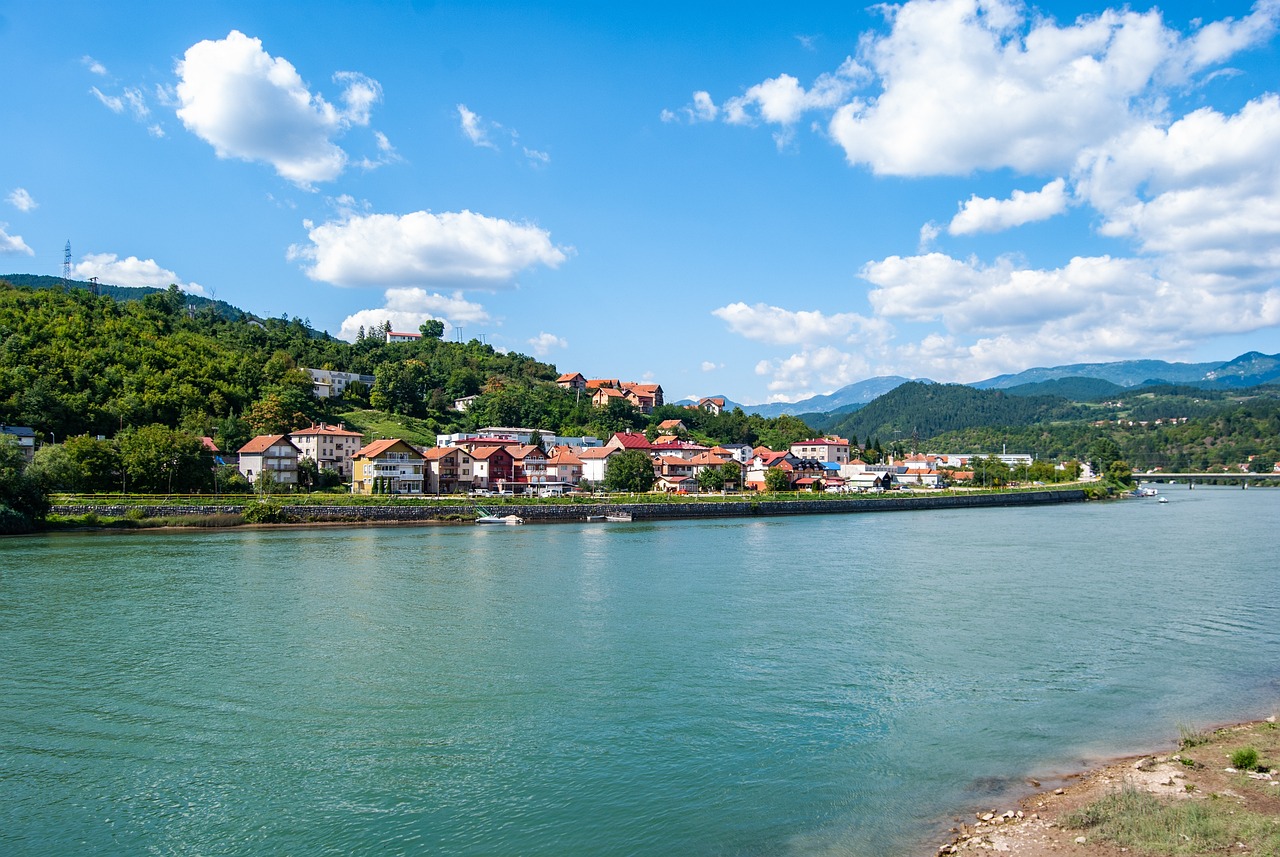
[[825, 685]]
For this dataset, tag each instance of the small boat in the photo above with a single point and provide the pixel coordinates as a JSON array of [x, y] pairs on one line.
[[596, 519], [618, 519], [1163, 500], [487, 517]]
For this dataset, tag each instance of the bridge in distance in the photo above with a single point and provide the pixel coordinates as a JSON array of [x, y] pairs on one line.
[[1192, 478]]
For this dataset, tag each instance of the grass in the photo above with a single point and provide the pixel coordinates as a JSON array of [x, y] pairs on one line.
[[375, 424], [1186, 828], [1189, 736]]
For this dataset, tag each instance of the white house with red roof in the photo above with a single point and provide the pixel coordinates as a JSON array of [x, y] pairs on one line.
[[331, 447], [595, 460], [273, 453]]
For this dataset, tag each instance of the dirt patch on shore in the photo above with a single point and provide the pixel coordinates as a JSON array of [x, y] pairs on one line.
[[1199, 771]]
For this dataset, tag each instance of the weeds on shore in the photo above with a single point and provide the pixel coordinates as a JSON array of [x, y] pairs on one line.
[[1137, 819], [1190, 736], [140, 522]]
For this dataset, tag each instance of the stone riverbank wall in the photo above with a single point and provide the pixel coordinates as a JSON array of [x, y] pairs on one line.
[[428, 511]]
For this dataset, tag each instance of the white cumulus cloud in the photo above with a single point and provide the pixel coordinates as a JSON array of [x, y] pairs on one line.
[[20, 199], [110, 269], [455, 250], [777, 326], [544, 343], [407, 309], [985, 214], [812, 371], [13, 243], [255, 107], [955, 86]]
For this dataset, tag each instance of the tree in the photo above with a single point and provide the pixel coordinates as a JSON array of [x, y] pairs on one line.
[[777, 480], [431, 329], [1102, 453], [161, 460], [1120, 473], [731, 474], [97, 463], [23, 503], [630, 470], [711, 479], [990, 472]]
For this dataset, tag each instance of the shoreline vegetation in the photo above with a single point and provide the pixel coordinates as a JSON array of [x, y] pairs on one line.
[[127, 512], [1216, 792]]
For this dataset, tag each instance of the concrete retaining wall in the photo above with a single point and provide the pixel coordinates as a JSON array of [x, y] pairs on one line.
[[639, 511]]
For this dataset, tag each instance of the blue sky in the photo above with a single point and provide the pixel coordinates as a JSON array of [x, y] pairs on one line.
[[765, 201]]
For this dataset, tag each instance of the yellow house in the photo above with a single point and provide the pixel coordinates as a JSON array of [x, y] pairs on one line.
[[388, 466]]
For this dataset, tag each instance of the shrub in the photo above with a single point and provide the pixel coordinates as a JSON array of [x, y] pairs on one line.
[[263, 513], [1244, 759]]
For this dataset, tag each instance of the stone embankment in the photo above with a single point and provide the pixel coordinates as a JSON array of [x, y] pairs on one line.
[[548, 512]]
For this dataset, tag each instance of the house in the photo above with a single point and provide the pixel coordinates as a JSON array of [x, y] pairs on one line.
[[712, 404], [598, 383], [835, 449], [741, 452], [26, 438], [625, 440], [646, 397], [270, 453], [392, 336], [388, 466], [604, 395], [675, 484], [493, 467], [672, 427], [530, 465], [447, 470], [572, 381], [461, 405], [328, 384], [595, 460], [564, 466], [331, 447], [682, 448], [672, 465]]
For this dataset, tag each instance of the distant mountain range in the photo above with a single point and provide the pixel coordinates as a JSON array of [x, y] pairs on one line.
[[1247, 370]]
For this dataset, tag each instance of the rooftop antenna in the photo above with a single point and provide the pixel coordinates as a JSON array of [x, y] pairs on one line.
[[66, 266]]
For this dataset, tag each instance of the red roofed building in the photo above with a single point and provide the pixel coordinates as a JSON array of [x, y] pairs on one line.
[[448, 469], [494, 467], [388, 466], [272, 453], [331, 447], [629, 440], [572, 381], [712, 404]]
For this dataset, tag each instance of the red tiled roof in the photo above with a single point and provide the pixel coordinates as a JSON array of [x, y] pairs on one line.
[[378, 447], [522, 451], [324, 429], [594, 452], [632, 440], [487, 452], [443, 452], [263, 442]]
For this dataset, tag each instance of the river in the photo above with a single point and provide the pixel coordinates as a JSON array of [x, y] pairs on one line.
[[821, 685]]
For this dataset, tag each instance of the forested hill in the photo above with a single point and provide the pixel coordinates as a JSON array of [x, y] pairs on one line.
[[926, 410], [124, 293], [72, 363]]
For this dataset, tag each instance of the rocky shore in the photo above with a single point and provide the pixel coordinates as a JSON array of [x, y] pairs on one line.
[[1236, 804]]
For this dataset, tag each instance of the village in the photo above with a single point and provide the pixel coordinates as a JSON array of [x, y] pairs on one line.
[[513, 461]]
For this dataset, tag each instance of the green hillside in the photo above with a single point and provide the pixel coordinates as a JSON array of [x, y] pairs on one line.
[[925, 410]]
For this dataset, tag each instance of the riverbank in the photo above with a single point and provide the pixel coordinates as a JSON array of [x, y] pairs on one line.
[[100, 514], [1217, 792]]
